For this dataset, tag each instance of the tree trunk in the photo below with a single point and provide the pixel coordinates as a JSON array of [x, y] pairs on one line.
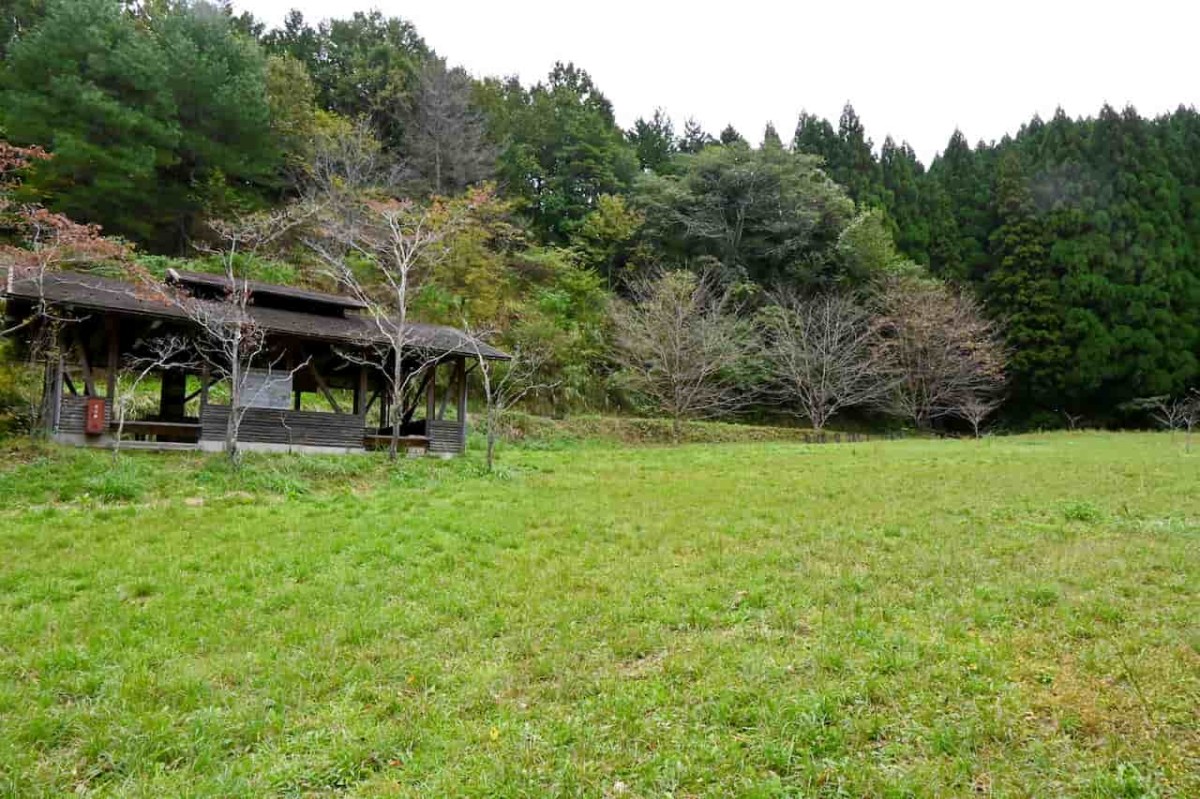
[[235, 397], [43, 411], [397, 389], [491, 439]]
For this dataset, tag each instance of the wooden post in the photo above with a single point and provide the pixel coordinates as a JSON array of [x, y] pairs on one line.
[[204, 378], [451, 385], [360, 393], [431, 396], [111, 326], [173, 396], [89, 385], [385, 393], [59, 371], [462, 400]]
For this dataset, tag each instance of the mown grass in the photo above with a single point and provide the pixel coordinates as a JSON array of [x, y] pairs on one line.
[[1013, 617]]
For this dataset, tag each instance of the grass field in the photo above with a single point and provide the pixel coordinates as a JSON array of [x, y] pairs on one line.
[[1013, 617]]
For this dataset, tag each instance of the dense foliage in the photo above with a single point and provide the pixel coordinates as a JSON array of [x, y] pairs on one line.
[[1080, 237]]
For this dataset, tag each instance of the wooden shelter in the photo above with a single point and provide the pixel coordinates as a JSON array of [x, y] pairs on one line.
[[323, 388]]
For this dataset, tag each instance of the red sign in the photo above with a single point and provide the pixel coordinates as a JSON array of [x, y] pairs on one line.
[[93, 423]]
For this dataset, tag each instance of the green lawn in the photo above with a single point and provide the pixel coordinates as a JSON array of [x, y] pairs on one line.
[[1013, 617]]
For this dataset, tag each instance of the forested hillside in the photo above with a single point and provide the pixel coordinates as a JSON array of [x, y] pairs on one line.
[[1078, 238]]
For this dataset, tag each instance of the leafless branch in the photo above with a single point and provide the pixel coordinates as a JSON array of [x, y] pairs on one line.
[[825, 354], [380, 251], [680, 343], [158, 355], [943, 352], [506, 383]]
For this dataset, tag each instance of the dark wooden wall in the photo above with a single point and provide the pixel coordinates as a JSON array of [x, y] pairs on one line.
[[446, 438], [71, 415], [270, 426]]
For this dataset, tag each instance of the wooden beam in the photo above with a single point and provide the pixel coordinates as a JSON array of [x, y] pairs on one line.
[[205, 380], [70, 384], [324, 387], [374, 396], [89, 385]]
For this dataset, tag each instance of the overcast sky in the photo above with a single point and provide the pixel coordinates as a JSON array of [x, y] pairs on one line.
[[914, 69]]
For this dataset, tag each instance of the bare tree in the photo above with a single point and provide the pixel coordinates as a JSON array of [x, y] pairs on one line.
[[1191, 417], [1178, 413], [1073, 419], [506, 383], [1169, 411], [445, 136], [824, 353], [943, 352], [347, 161], [680, 343], [974, 408], [230, 340], [158, 355], [380, 251]]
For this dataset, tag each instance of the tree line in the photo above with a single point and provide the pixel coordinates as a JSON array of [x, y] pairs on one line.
[[1071, 246]]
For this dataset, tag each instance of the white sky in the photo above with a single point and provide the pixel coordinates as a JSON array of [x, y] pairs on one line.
[[914, 69]]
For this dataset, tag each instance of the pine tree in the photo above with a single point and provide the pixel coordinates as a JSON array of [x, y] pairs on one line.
[[816, 136], [561, 148], [958, 250], [856, 167], [771, 138], [654, 141], [730, 136], [694, 139], [904, 186], [1022, 288]]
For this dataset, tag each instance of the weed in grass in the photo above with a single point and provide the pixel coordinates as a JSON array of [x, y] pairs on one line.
[[1081, 511]]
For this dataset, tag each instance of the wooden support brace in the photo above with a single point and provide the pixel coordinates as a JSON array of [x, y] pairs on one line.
[[324, 387], [196, 393], [408, 411]]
